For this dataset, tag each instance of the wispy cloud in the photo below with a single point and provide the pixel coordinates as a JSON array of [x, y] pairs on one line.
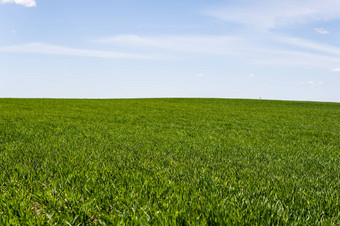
[[296, 58], [336, 69], [271, 14], [312, 83], [26, 3], [322, 31], [328, 49], [193, 44], [259, 18], [252, 52], [40, 48], [248, 49]]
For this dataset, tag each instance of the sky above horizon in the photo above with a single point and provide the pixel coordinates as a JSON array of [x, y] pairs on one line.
[[269, 49]]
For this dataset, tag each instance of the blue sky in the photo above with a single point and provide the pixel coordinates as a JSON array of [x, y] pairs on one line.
[[273, 49]]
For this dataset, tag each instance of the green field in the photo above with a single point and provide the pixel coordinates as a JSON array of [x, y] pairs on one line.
[[169, 161]]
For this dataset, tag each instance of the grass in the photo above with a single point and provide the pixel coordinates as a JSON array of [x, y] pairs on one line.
[[169, 161]]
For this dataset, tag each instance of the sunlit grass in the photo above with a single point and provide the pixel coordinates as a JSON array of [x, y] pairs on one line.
[[169, 161]]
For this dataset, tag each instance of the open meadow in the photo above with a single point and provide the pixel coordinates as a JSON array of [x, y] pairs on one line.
[[169, 161]]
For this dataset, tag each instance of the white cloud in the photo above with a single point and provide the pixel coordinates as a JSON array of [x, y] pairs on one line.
[[27, 3], [271, 14], [311, 45], [322, 31], [336, 70], [296, 58], [40, 48], [312, 83], [248, 49], [193, 44], [200, 75], [261, 16], [251, 75]]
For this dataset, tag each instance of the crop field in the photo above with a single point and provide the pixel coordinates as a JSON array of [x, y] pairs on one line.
[[169, 161]]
